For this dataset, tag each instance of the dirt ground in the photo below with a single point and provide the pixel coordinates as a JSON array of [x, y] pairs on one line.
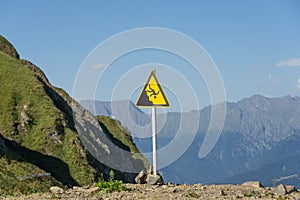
[[249, 190]]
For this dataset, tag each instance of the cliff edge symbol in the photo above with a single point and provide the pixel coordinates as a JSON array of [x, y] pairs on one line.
[[152, 94]]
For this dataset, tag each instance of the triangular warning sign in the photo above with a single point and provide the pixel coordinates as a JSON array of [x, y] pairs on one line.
[[152, 94]]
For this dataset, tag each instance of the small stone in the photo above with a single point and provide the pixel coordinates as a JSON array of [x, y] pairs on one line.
[[290, 189], [56, 190], [175, 190], [25, 117], [255, 184], [91, 190], [164, 186], [222, 193], [69, 191], [198, 185], [75, 188]]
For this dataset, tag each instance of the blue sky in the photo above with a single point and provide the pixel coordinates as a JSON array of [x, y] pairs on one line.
[[255, 44]]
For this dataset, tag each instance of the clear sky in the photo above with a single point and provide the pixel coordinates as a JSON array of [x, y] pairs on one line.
[[255, 44]]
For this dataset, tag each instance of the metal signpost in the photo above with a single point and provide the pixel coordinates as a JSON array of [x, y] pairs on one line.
[[153, 96]]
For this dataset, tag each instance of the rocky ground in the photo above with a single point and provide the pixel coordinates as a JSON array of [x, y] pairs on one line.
[[248, 190]]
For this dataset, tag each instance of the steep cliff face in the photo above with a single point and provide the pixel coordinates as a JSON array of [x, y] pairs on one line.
[[45, 135]]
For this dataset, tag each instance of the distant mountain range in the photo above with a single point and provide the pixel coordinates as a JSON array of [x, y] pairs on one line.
[[260, 140]]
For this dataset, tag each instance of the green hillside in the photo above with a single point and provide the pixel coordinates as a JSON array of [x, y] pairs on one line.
[[39, 143], [119, 136]]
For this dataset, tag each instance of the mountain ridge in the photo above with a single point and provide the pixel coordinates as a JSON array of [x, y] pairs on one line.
[[46, 135], [254, 128]]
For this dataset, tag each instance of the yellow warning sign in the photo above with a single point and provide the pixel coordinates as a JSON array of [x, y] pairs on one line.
[[152, 94]]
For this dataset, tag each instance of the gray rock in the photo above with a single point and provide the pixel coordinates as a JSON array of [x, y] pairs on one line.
[[56, 190], [255, 184], [222, 193], [91, 190], [280, 190], [141, 178], [75, 188], [290, 188], [25, 117], [154, 179]]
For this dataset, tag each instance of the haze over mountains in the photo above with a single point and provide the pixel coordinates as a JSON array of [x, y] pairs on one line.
[[260, 140]]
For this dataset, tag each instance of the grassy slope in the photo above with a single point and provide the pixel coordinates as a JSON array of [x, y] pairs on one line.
[[118, 132], [120, 136], [18, 88], [48, 143]]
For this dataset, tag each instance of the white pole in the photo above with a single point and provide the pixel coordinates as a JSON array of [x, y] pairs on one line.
[[154, 139]]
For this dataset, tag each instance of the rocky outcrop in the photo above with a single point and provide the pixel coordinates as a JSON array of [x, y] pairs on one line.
[[8, 48], [36, 70]]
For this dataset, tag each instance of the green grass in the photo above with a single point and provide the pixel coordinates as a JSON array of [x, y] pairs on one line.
[[6, 47], [20, 87], [49, 141], [120, 136], [251, 194], [118, 132], [192, 194], [112, 186]]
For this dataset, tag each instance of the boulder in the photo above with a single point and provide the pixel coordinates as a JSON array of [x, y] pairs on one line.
[[149, 178], [284, 189], [154, 179], [280, 190], [141, 178], [255, 184]]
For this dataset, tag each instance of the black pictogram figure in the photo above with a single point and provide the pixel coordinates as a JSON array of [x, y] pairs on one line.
[[152, 92]]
